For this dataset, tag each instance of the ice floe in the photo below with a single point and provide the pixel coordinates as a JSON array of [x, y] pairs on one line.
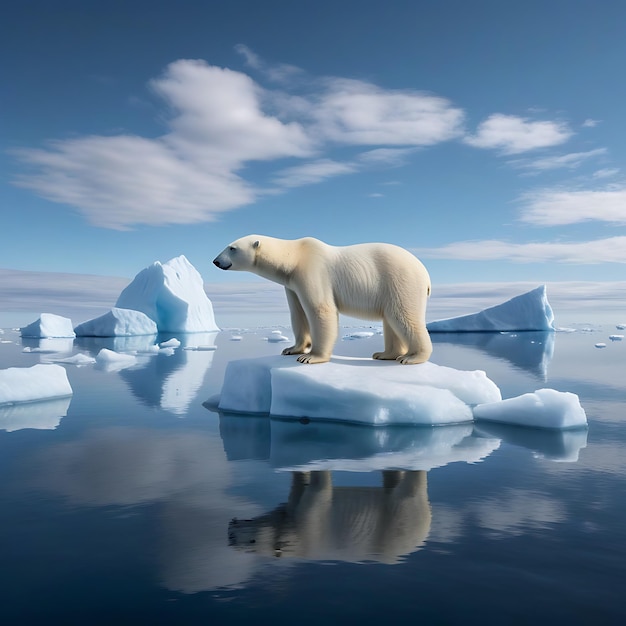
[[117, 322], [355, 389], [115, 361], [31, 384], [49, 325], [544, 408], [528, 311], [364, 391]]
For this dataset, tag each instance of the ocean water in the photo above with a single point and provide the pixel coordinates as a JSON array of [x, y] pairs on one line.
[[132, 502]]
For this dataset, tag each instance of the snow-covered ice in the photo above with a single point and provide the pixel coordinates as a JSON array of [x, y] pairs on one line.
[[171, 294], [49, 325], [545, 408], [620, 326], [616, 337], [117, 322], [528, 311], [355, 389], [600, 344], [30, 384], [276, 336]]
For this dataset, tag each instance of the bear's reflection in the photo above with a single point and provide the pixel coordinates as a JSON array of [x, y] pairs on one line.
[[321, 521]]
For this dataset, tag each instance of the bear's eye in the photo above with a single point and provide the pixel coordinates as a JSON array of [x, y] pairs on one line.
[[232, 249]]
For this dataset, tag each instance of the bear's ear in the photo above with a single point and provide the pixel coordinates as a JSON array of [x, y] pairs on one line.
[[256, 244]]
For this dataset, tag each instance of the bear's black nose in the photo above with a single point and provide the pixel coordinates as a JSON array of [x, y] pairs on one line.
[[216, 263]]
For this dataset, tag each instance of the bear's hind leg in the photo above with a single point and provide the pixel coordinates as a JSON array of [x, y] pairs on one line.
[[412, 330], [394, 347]]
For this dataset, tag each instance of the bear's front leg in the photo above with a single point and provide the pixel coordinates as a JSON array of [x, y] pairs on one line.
[[324, 324], [299, 325]]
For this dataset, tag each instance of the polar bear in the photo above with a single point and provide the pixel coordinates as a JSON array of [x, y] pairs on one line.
[[370, 281]]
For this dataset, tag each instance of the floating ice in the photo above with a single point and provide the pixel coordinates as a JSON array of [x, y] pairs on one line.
[[77, 359], [616, 337], [49, 325], [528, 311], [276, 336], [236, 337], [600, 344], [361, 334], [356, 390], [29, 384], [115, 361], [545, 408], [170, 343], [117, 322], [620, 326], [171, 294]]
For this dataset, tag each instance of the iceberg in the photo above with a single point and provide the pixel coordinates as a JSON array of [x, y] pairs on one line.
[[49, 325], [355, 389], [545, 408], [112, 361], [528, 311], [30, 384], [117, 322], [172, 295]]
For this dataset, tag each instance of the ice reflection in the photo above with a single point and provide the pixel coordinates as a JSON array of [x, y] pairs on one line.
[[45, 414], [564, 445], [531, 350], [184, 474], [48, 345], [321, 521], [169, 380], [291, 445]]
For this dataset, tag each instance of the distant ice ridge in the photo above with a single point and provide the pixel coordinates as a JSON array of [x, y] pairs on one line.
[[171, 294], [49, 325], [365, 391], [30, 384], [117, 323], [528, 311]]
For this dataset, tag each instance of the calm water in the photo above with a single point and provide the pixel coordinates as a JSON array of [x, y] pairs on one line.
[[134, 503]]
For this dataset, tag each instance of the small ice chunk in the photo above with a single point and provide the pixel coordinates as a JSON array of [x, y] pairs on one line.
[[201, 348], [49, 325], [545, 408], [361, 334], [600, 344], [620, 326], [77, 359], [170, 343], [111, 360], [236, 337], [29, 384], [528, 311], [276, 336], [117, 323], [616, 337]]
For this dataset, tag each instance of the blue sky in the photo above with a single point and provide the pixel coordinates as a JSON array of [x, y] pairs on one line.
[[486, 136]]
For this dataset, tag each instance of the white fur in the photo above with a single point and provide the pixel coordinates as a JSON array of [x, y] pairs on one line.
[[370, 281]]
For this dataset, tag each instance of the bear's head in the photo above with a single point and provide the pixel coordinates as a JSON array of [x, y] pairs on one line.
[[239, 255]]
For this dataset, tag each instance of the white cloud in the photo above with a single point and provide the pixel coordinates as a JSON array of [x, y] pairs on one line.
[[513, 135], [571, 160], [220, 121], [313, 172], [360, 113], [606, 172], [555, 207], [590, 123], [610, 250]]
